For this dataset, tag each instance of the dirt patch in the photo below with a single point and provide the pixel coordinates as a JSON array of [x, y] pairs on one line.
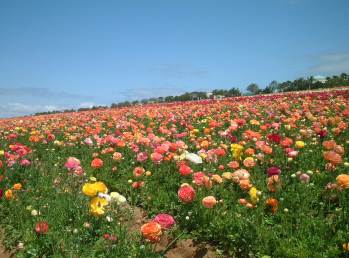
[[180, 249], [188, 249]]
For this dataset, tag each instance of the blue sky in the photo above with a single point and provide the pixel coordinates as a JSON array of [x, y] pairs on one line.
[[70, 54]]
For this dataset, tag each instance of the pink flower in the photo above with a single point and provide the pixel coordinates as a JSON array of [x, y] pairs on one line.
[[25, 163], [304, 178], [186, 193], [156, 157], [72, 163], [142, 156], [199, 178], [165, 220], [88, 141]]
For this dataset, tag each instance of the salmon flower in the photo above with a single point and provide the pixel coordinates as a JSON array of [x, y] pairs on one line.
[[209, 202]]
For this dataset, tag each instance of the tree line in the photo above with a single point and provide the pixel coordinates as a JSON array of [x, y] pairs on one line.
[[309, 83]]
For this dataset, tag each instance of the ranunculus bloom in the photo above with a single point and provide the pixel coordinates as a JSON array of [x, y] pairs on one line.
[[151, 231], [186, 193], [249, 162], [166, 221], [92, 189], [17, 186], [273, 182], [8, 194], [72, 163], [185, 170], [97, 163], [209, 202], [142, 156], [304, 178], [272, 203], [25, 163], [273, 171], [332, 157], [199, 178], [343, 181], [156, 157], [138, 171], [299, 144], [97, 206], [41, 227], [117, 156]]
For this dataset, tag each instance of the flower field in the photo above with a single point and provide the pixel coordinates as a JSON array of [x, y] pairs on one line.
[[262, 176]]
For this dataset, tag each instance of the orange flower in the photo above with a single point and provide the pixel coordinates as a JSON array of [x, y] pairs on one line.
[[272, 203], [97, 163], [245, 184], [151, 231], [17, 186], [9, 194], [343, 181]]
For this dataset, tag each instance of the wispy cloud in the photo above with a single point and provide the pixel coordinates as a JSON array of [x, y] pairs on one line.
[[20, 109], [333, 63], [39, 92], [178, 71]]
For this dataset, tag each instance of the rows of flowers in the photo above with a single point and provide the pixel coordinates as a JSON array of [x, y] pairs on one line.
[[262, 176]]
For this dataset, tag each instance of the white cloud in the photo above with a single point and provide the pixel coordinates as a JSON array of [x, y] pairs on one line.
[[334, 63], [20, 109]]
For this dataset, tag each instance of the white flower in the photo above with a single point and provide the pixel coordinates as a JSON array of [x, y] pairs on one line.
[[109, 219], [105, 196], [192, 157], [34, 212]]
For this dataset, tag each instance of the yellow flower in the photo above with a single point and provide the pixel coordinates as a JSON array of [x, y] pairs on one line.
[[97, 206], [92, 189], [299, 144], [254, 195], [2, 152], [237, 150]]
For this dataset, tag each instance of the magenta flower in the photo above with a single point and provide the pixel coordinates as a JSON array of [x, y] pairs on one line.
[[165, 220]]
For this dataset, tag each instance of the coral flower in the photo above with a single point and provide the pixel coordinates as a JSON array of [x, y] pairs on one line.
[[249, 162], [151, 231], [97, 163], [166, 221], [156, 157], [41, 227], [185, 170], [198, 178], [343, 181], [209, 202], [186, 193], [138, 171], [332, 157]]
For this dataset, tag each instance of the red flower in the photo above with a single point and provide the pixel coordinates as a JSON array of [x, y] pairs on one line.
[[41, 227], [185, 170]]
